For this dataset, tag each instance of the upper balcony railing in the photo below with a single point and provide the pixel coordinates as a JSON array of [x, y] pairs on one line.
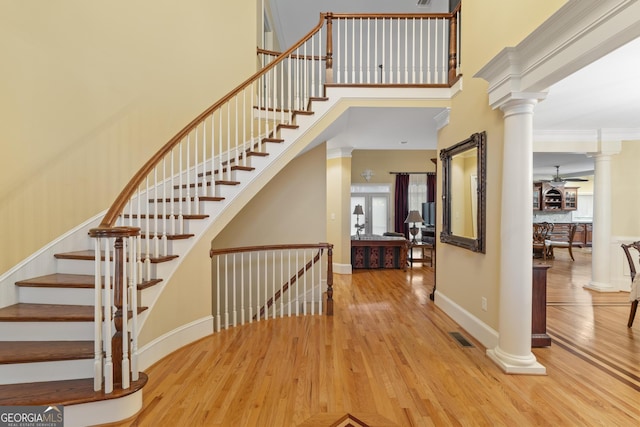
[[376, 50]]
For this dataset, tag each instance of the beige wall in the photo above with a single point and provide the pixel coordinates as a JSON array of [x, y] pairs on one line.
[[625, 196], [338, 208], [291, 208], [93, 91], [464, 276]]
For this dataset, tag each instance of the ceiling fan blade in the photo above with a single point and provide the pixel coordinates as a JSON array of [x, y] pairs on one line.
[[576, 179]]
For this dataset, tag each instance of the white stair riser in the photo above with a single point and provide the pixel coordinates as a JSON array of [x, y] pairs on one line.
[[74, 266], [46, 331], [46, 371], [66, 296]]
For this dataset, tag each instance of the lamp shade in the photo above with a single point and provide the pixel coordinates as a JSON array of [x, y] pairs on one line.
[[414, 216], [358, 210]]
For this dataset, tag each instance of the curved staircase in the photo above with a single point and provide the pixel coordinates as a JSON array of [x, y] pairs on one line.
[[47, 347], [51, 351]]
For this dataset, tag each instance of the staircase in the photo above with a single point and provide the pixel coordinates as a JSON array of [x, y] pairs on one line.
[[51, 348], [47, 352]]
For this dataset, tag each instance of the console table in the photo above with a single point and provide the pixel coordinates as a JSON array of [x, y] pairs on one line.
[[539, 337], [373, 251]]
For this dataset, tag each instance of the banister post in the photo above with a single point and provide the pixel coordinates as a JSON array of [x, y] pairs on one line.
[[329, 62], [330, 280], [453, 46], [118, 283]]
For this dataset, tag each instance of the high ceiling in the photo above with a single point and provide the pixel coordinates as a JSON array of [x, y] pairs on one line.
[[603, 95]]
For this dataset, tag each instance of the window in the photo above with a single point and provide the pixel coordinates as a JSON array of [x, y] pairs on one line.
[[374, 199]]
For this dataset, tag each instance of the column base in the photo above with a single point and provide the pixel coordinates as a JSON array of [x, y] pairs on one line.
[[512, 364], [600, 287]]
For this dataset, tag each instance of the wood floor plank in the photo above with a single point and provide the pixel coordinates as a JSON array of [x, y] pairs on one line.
[[387, 351]]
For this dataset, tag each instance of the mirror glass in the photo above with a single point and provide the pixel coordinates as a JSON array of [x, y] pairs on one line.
[[463, 195]]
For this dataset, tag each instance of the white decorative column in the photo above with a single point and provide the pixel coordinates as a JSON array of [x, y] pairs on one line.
[[601, 235], [513, 353]]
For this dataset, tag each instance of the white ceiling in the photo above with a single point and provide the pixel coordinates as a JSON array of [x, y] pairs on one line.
[[603, 95]]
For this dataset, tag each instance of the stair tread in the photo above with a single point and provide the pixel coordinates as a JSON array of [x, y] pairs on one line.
[[71, 281], [184, 199], [184, 216], [89, 255], [28, 312], [169, 236], [25, 312], [66, 392], [44, 351]]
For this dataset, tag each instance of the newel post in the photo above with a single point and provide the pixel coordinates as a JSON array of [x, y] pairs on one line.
[[118, 289], [329, 62], [453, 46], [330, 280]]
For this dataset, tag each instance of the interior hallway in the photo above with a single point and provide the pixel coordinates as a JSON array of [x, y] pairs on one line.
[[387, 358]]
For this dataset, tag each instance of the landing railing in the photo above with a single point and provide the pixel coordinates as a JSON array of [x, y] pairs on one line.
[[256, 283], [170, 188]]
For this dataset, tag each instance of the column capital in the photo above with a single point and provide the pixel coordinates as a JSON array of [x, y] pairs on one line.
[[605, 147], [339, 152], [520, 102]]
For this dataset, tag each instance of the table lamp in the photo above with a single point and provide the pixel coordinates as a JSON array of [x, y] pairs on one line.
[[413, 217], [357, 212]]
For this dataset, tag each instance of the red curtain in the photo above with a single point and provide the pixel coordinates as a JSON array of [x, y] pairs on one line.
[[401, 204], [431, 187]]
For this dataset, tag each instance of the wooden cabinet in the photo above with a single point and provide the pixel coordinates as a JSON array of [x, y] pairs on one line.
[[539, 336], [549, 198], [570, 199], [537, 195]]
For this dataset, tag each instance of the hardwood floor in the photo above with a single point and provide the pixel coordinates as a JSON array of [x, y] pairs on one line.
[[387, 358]]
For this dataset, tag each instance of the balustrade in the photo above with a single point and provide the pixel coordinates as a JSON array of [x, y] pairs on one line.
[[194, 165]]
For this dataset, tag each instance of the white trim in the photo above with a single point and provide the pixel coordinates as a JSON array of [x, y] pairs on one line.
[[342, 268], [580, 32], [338, 153], [42, 261], [174, 340], [487, 336], [103, 411]]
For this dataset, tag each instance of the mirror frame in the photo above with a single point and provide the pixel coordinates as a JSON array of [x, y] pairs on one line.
[[477, 140]]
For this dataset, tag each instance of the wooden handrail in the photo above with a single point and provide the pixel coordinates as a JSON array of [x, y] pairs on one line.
[[237, 250], [123, 198], [275, 53]]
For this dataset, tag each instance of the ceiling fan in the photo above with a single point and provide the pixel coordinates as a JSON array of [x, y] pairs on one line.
[[558, 180]]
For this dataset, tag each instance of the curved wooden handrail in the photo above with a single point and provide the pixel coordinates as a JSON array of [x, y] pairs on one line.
[[123, 198], [213, 252], [127, 192]]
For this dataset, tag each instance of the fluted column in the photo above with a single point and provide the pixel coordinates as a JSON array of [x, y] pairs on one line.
[[513, 353]]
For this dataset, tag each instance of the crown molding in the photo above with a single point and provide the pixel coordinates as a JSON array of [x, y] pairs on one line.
[[580, 32]]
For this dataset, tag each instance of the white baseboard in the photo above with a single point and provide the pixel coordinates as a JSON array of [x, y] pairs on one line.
[[173, 340], [487, 336], [342, 268], [103, 411]]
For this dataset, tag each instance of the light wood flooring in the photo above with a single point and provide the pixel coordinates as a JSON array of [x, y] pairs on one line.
[[387, 358]]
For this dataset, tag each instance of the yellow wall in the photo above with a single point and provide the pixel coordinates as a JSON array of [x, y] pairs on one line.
[[625, 197], [338, 208], [93, 90], [290, 209], [490, 26]]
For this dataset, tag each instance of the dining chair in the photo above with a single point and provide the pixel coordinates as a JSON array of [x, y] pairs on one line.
[[635, 291], [541, 232], [563, 240]]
